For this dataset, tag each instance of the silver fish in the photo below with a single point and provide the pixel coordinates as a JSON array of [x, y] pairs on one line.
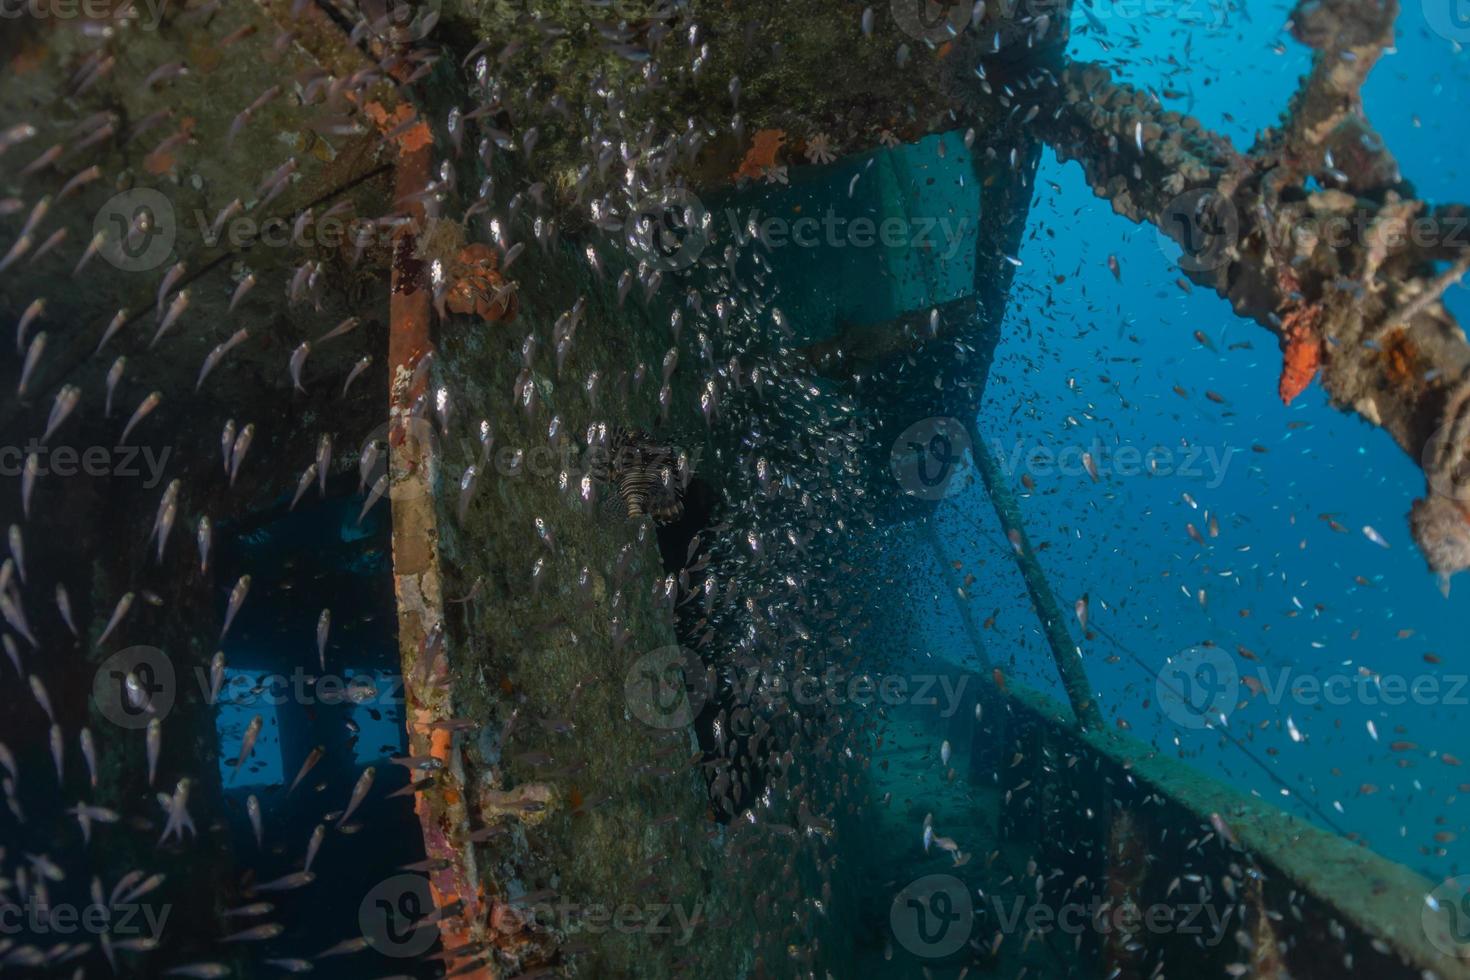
[[346, 326], [58, 753], [366, 462], [170, 279], [119, 320], [323, 462], [154, 741], [177, 808], [298, 362], [38, 691], [227, 443], [237, 599], [80, 180], [163, 521], [213, 358], [63, 606], [247, 744], [308, 477], [245, 285], [175, 310], [89, 253], [312, 758], [17, 251], [32, 313], [466, 490], [146, 406], [252, 808], [225, 214], [89, 755], [86, 813], [204, 536], [18, 550], [61, 409], [114, 375], [268, 931], [357, 369], [216, 675], [28, 478], [323, 626], [199, 971], [15, 615], [118, 612], [7, 759], [359, 793], [241, 447], [288, 882], [16, 135], [314, 844], [33, 358], [380, 487], [251, 910]]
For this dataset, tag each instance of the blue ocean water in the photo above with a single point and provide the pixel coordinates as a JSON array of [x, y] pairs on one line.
[[1348, 632]]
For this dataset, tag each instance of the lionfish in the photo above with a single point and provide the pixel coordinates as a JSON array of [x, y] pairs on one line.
[[648, 474]]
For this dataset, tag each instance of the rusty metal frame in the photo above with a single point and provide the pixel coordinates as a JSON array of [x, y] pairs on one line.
[[441, 807]]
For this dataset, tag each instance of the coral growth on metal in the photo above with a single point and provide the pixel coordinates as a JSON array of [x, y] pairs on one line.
[[479, 287]]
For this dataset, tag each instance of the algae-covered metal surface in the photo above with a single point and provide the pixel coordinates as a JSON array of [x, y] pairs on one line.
[[516, 418]]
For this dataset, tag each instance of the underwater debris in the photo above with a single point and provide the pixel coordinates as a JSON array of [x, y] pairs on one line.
[[760, 159], [479, 287]]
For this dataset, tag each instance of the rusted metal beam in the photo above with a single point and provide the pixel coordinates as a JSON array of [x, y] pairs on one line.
[[967, 618], [1053, 623], [442, 807], [1344, 902]]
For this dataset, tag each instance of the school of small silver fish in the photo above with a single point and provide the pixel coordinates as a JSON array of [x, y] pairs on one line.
[[247, 379]]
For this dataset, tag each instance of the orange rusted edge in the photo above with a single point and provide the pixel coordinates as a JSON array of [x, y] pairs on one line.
[[417, 582]]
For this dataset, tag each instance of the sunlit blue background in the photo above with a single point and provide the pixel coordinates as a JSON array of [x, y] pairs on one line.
[[1279, 580]]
